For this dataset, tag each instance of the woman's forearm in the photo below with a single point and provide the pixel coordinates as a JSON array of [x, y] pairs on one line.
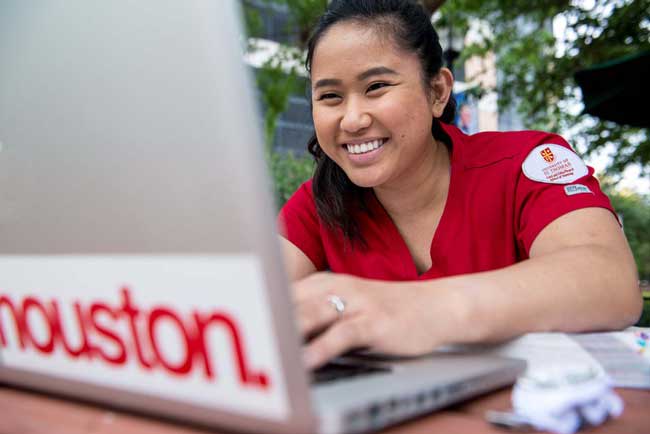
[[575, 289]]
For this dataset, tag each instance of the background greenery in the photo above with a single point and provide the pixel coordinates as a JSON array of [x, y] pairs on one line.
[[288, 171], [634, 211]]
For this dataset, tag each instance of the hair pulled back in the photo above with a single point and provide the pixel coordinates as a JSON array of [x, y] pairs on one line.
[[410, 29]]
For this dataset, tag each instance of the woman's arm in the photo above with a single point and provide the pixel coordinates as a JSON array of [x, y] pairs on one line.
[[297, 264], [580, 276]]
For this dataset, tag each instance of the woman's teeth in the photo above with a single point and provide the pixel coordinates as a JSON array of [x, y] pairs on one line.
[[364, 147]]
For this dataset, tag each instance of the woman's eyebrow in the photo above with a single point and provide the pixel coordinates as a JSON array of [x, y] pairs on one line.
[[379, 70], [327, 82]]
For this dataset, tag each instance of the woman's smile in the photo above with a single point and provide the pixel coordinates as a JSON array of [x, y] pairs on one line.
[[364, 152]]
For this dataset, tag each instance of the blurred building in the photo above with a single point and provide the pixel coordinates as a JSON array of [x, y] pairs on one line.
[[479, 114], [475, 85]]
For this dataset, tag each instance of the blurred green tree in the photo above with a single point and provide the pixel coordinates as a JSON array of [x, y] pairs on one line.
[[634, 212]]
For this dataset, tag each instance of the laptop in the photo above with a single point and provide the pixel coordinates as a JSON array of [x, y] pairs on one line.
[[139, 265]]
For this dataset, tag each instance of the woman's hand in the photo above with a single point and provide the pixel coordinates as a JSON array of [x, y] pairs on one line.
[[399, 318]]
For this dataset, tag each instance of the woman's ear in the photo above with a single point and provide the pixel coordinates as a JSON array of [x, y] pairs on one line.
[[441, 85]]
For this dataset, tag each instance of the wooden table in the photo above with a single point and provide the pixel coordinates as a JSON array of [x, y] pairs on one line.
[[26, 412]]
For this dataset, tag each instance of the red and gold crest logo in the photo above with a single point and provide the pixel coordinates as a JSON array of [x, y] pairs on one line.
[[547, 154]]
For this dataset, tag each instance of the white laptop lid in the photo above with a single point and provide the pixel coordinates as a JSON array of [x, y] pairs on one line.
[[132, 178]]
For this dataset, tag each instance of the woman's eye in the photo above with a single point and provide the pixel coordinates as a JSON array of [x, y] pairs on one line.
[[376, 86], [327, 96]]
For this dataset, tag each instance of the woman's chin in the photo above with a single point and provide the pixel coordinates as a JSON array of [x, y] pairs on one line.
[[365, 180]]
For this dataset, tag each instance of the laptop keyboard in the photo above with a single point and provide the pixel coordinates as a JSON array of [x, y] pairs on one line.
[[336, 370]]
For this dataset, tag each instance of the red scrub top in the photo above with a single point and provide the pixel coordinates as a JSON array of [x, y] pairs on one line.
[[493, 213]]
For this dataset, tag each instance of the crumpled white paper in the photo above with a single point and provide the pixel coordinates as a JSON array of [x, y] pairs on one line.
[[561, 399]]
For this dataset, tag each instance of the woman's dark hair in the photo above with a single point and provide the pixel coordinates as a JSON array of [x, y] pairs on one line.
[[336, 196]]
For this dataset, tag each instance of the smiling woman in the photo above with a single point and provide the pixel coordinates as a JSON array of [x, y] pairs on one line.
[[432, 236], [362, 85]]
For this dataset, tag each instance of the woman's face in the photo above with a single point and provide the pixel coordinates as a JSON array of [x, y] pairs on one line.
[[371, 112]]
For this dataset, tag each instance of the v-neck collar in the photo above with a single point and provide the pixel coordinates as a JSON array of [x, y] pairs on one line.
[[409, 267]]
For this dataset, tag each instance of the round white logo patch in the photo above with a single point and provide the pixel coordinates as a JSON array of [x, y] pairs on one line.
[[553, 164]]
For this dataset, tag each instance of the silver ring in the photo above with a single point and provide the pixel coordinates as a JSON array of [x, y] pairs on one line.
[[337, 303]]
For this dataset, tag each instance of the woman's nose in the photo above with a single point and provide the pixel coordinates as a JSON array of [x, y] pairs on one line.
[[355, 118]]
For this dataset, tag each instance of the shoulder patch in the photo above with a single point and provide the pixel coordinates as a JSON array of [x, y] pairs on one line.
[[572, 189], [553, 164]]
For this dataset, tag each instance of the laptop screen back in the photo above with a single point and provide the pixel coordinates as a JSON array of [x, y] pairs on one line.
[[137, 258]]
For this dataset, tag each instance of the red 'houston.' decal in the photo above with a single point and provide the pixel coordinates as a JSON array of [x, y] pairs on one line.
[[93, 325]]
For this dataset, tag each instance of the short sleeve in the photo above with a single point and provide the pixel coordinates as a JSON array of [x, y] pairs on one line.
[[540, 200], [298, 222]]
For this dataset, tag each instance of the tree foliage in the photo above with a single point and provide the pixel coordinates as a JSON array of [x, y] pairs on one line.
[[634, 211], [276, 84], [536, 70], [303, 15]]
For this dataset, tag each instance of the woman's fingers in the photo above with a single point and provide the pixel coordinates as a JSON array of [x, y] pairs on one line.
[[314, 285], [341, 313], [315, 315], [382, 316], [316, 304], [342, 336]]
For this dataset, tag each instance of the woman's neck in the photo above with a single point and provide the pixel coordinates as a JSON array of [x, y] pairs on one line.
[[423, 190]]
